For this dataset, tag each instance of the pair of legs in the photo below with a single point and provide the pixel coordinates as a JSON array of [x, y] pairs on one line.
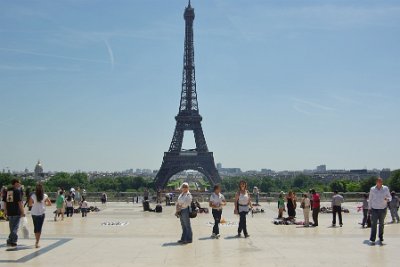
[[280, 213], [13, 222], [59, 212], [306, 212], [377, 215], [187, 235], [70, 211], [395, 214], [365, 217], [315, 213], [84, 212], [37, 227], [242, 224], [217, 219], [338, 210]]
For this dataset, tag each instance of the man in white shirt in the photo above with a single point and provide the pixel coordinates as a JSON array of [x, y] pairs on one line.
[[379, 196]]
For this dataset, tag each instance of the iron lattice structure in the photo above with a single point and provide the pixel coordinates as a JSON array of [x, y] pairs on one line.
[[188, 119]]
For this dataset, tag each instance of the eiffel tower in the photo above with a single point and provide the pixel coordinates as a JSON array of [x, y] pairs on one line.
[[188, 119]]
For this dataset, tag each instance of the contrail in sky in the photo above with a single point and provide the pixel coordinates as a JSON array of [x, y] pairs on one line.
[[51, 55], [110, 53]]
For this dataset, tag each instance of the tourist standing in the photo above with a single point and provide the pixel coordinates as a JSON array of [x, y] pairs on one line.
[[337, 201], [217, 201], [306, 205], [242, 205], [14, 209], [104, 198], [365, 210], [291, 205], [256, 193], [394, 207], [315, 206], [69, 206], [146, 194], [84, 206], [379, 196], [60, 204], [38, 201], [281, 205], [182, 211]]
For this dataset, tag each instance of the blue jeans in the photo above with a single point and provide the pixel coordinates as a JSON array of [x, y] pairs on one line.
[[187, 235], [377, 215], [13, 221]]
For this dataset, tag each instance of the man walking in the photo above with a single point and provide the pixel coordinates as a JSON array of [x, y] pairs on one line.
[[315, 206], [14, 209], [379, 196], [337, 201], [394, 207]]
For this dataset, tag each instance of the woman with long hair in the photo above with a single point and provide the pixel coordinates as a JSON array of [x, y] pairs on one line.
[[242, 207], [38, 201], [291, 205]]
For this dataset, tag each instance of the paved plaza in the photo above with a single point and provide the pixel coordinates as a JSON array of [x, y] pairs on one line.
[[149, 239]]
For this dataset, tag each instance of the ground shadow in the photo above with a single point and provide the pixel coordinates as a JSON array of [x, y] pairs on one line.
[[171, 244], [231, 237], [206, 238], [18, 248]]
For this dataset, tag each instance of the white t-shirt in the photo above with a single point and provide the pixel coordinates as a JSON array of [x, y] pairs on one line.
[[70, 204], [217, 200], [84, 205], [244, 201], [38, 208], [184, 200]]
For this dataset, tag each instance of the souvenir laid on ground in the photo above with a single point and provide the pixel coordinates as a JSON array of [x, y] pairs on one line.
[[114, 223], [329, 210], [223, 223]]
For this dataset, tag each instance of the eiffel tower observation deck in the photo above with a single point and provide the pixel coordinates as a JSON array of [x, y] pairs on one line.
[[188, 119]]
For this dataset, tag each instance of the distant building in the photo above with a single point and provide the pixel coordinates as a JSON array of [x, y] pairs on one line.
[[38, 172], [321, 168], [385, 173]]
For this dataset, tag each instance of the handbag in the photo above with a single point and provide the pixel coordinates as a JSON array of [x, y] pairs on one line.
[[192, 210]]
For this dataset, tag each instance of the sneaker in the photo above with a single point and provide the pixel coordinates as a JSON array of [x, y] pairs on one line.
[[239, 235], [341, 225], [180, 241], [8, 243], [246, 235], [372, 243], [13, 245], [213, 235], [333, 225], [217, 236]]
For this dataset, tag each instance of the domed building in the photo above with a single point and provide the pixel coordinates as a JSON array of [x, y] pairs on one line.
[[39, 174]]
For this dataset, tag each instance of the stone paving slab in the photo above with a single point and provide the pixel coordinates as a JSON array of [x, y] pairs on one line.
[[149, 239]]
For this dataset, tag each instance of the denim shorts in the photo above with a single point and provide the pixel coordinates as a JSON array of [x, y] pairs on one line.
[[37, 223]]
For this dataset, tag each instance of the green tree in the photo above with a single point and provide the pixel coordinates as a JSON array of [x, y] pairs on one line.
[[338, 185], [394, 181], [366, 184], [5, 179]]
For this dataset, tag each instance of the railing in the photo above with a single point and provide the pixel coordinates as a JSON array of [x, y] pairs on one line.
[[202, 196]]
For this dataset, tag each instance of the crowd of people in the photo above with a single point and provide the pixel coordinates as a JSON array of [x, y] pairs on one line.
[[374, 207], [13, 208]]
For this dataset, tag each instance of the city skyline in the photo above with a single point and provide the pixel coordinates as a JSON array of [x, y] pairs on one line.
[[289, 86]]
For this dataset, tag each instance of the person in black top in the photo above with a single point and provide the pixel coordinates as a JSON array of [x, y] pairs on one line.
[[14, 210]]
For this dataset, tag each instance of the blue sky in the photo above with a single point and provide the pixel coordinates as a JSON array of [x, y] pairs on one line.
[[286, 85]]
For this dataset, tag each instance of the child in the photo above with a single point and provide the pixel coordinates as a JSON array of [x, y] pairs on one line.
[[84, 206], [217, 201]]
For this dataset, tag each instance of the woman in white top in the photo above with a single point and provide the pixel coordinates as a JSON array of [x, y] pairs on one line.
[[306, 205], [217, 201], [182, 211], [38, 201], [242, 206], [69, 203]]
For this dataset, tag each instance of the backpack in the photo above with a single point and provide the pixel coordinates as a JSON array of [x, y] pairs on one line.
[[158, 208], [193, 210]]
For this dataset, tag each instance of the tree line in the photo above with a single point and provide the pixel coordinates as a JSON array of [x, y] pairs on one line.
[[299, 183]]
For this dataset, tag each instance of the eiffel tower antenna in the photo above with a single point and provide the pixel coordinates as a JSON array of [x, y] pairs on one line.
[[188, 119]]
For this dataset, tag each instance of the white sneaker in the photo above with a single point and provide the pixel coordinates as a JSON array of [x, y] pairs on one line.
[[213, 235], [217, 236]]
